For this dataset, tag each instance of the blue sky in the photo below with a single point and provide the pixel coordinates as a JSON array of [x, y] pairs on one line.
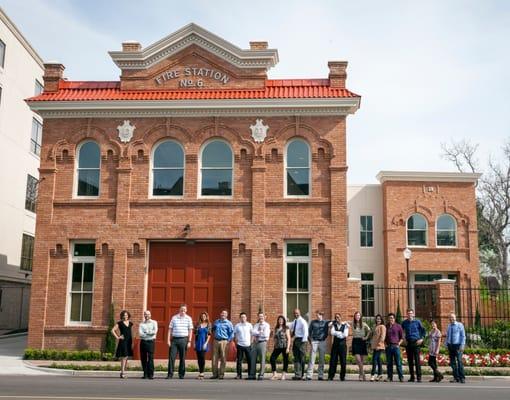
[[428, 72]]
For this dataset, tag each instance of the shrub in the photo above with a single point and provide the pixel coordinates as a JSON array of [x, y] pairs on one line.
[[110, 342]]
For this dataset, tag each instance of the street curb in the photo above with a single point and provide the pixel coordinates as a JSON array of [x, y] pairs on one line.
[[13, 335], [53, 371]]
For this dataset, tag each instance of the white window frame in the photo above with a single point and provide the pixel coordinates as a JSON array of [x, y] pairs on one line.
[[73, 259], [298, 259], [371, 283], [151, 174], [2, 61], [77, 169], [426, 232], [38, 143], [444, 230], [38, 84], [361, 230], [199, 183], [285, 193]]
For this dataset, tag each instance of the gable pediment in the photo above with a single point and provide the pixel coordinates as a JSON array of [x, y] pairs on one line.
[[192, 34]]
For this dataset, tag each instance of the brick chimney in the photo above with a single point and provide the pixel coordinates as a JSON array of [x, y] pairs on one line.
[[131, 46], [258, 45], [53, 73], [337, 73]]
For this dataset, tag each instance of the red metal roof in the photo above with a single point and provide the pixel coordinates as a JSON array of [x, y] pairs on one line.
[[274, 89]]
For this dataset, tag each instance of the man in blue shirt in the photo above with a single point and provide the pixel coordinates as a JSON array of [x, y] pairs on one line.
[[223, 332], [455, 342], [414, 334]]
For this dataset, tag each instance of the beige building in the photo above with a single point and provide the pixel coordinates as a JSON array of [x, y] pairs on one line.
[[21, 71]]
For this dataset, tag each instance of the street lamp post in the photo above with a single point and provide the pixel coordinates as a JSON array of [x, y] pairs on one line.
[[407, 255]]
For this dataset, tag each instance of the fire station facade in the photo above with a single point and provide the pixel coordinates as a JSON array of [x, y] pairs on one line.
[[196, 179]]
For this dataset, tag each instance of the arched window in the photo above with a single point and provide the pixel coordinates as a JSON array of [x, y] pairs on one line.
[[216, 169], [297, 165], [168, 169], [88, 171], [446, 231], [416, 230]]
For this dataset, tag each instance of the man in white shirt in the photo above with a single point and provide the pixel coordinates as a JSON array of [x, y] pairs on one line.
[[147, 331], [299, 331], [260, 335], [180, 331], [242, 338]]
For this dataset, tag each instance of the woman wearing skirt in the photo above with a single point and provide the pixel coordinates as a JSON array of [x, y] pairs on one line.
[[360, 334]]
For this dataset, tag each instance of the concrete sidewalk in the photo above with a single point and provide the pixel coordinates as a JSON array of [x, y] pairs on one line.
[[11, 357]]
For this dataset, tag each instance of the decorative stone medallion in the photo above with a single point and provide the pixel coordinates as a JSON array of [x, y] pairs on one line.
[[259, 131], [126, 131]]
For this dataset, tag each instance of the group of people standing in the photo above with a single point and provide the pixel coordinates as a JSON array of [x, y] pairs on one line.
[[251, 345]]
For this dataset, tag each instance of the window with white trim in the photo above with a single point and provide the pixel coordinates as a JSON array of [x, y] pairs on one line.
[[36, 137], [366, 238], [216, 169], [367, 294], [88, 169], [39, 88], [446, 231], [2, 54], [31, 193], [82, 283], [416, 230], [297, 272], [297, 168], [168, 169]]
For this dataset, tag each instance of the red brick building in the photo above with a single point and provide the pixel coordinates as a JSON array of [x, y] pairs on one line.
[[196, 179]]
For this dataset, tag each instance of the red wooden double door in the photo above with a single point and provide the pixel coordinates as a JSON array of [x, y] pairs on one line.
[[197, 274]]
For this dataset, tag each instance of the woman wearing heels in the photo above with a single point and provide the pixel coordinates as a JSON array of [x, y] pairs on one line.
[[378, 347], [202, 336], [123, 331], [360, 334], [281, 346]]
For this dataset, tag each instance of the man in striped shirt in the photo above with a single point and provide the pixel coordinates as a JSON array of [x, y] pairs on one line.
[[180, 331]]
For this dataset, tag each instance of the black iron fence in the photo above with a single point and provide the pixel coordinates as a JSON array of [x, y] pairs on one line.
[[485, 313]]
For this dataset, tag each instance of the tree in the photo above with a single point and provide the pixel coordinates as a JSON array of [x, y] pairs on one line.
[[493, 203], [110, 343]]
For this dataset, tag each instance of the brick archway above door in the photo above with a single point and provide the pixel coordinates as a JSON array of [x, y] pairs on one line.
[[196, 274]]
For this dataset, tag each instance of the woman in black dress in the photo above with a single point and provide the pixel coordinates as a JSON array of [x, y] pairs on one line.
[[123, 332]]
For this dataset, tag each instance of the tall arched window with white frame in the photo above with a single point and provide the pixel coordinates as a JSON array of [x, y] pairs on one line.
[[88, 169], [416, 230], [168, 169], [297, 168], [216, 169]]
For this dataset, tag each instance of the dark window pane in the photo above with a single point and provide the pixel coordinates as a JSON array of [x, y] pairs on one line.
[[38, 88], [217, 154], [446, 238], [291, 277], [84, 249], [303, 277], [27, 252], [366, 222], [77, 277], [445, 222], [298, 154], [416, 221], [75, 306], [2, 54], [216, 182], [88, 182], [298, 182], [416, 238], [367, 276], [168, 182], [89, 155], [427, 277], [36, 137], [298, 249], [369, 241], [168, 155], [31, 193], [86, 311], [88, 275], [452, 276]]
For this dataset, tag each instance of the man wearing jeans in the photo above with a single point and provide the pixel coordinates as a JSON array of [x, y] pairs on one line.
[[179, 340], [414, 333], [317, 335], [394, 337], [260, 335], [455, 342], [299, 331], [223, 332]]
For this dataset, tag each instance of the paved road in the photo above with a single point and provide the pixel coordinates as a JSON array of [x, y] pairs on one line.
[[68, 387]]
